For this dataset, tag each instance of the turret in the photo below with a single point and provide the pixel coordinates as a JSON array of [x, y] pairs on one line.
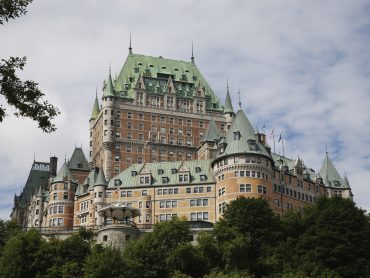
[[53, 166], [228, 109], [208, 149], [109, 132], [100, 186]]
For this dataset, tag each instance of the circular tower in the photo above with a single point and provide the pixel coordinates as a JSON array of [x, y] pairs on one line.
[[244, 165]]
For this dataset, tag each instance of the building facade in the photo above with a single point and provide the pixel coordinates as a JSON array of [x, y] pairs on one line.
[[161, 144]]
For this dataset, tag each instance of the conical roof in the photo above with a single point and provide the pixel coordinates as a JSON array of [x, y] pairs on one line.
[[212, 133], [228, 105], [329, 174], [95, 110], [241, 137], [78, 160], [39, 192], [100, 179], [109, 90], [63, 172]]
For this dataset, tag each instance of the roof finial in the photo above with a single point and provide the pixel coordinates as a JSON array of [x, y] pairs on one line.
[[96, 92], [34, 156], [192, 52], [130, 48], [240, 103], [227, 83], [326, 149]]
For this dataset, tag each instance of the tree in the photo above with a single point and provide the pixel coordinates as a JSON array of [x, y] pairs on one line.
[[147, 256], [19, 255], [247, 229], [104, 262], [23, 96], [335, 239], [7, 229]]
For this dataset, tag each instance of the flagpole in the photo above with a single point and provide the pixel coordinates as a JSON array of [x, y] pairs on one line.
[[282, 143], [273, 137]]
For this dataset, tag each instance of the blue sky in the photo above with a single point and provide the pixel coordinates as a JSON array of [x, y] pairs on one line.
[[301, 66]]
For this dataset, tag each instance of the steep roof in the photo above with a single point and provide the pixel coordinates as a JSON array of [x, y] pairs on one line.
[[212, 133], [37, 179], [95, 110], [242, 144], [228, 105], [155, 71], [109, 90], [78, 160], [159, 170], [100, 179], [63, 173], [330, 175]]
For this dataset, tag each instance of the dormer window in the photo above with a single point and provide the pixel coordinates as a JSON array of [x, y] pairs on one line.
[[117, 182], [133, 173], [198, 169], [252, 145], [165, 179], [160, 171], [203, 177], [237, 135], [145, 180], [184, 178], [173, 171], [336, 183]]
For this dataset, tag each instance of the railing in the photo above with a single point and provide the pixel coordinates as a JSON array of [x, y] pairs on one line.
[[119, 221], [59, 229]]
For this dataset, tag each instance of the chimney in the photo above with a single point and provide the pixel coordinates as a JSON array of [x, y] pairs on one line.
[[53, 166]]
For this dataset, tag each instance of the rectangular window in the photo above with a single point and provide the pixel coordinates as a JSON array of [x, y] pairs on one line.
[[60, 209], [144, 193], [65, 195]]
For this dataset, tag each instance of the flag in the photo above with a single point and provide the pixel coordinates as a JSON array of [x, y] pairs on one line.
[[272, 133], [280, 137], [263, 129]]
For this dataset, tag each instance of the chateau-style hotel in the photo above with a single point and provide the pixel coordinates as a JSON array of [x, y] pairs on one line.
[[161, 145]]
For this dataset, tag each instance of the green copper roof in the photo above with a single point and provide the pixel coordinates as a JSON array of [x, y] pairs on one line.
[[38, 178], [330, 175], [228, 105], [156, 71], [241, 137], [78, 160], [161, 171], [63, 172], [100, 179], [95, 110], [212, 133], [109, 90]]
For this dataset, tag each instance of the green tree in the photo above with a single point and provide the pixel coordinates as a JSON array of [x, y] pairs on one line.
[[104, 262], [23, 96], [335, 239], [247, 229], [7, 229], [147, 256], [19, 255]]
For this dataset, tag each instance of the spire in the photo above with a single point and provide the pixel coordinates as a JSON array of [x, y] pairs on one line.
[[63, 172], [228, 105], [130, 48], [192, 52], [109, 90], [240, 103], [95, 110], [329, 173], [212, 133], [100, 179]]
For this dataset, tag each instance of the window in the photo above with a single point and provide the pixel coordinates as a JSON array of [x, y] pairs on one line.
[[141, 116], [245, 188], [55, 196], [209, 188], [116, 158], [147, 204], [129, 115], [203, 177], [100, 194], [65, 195], [128, 149], [221, 207], [188, 190], [144, 192], [65, 186], [277, 202]]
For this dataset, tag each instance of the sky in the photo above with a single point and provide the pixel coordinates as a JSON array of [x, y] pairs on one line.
[[302, 68]]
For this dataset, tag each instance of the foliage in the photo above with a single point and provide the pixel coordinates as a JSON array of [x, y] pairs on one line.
[[10, 9], [23, 96], [104, 262], [7, 229], [328, 239]]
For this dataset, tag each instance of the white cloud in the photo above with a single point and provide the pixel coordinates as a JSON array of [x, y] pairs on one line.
[[302, 66]]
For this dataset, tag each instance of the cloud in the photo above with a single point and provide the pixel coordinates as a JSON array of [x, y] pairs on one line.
[[302, 67]]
